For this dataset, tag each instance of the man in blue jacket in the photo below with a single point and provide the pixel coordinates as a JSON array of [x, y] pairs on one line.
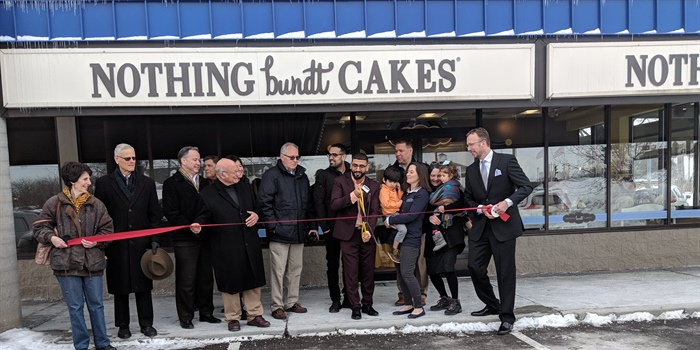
[[283, 201]]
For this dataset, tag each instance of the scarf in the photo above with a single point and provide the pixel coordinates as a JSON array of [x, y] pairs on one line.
[[77, 202]]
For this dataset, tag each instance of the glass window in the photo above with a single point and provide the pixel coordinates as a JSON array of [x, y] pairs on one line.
[[637, 165], [683, 163]]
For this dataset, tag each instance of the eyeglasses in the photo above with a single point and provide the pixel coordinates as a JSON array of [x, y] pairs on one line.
[[128, 159], [292, 157], [358, 166], [335, 154], [473, 143]]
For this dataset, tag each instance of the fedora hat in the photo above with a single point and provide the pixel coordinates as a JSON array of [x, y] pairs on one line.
[[157, 266]]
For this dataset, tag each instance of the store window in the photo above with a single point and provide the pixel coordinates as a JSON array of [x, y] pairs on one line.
[[576, 170], [637, 165], [683, 163]]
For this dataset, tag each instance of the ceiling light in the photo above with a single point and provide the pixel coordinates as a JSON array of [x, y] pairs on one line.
[[346, 118], [530, 112], [431, 115]]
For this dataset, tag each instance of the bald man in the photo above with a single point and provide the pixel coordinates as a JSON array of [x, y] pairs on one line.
[[235, 249]]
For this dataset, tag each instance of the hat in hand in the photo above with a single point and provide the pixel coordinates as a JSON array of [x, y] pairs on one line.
[[157, 266]]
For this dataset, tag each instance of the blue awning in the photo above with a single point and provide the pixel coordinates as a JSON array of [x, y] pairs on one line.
[[119, 20]]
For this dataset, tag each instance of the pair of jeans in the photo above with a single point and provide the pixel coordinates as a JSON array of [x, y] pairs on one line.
[[77, 291]]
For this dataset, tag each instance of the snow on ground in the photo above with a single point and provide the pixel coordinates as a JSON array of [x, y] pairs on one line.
[[25, 339]]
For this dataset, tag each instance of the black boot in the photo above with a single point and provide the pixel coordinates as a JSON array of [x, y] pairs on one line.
[[454, 308]]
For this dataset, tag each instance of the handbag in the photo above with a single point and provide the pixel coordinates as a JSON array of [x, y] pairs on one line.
[[43, 254], [43, 251]]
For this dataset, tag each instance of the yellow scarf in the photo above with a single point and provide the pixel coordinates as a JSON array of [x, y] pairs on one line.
[[78, 202]]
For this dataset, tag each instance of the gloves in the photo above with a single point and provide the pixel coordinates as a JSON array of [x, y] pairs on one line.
[[155, 246]]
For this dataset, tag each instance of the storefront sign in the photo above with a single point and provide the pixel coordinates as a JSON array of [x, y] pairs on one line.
[[623, 69], [265, 76]]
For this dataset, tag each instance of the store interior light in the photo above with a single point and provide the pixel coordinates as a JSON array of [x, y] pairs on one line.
[[427, 115], [530, 112], [346, 118]]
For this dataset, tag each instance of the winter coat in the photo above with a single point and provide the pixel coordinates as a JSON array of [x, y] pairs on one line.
[[92, 220], [142, 211], [180, 206], [323, 187], [236, 251], [454, 234], [411, 214], [285, 197]]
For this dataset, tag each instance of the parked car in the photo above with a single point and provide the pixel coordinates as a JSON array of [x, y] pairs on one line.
[[23, 229], [652, 195], [559, 202]]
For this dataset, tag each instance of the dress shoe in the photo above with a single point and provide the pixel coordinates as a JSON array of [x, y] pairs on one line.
[[485, 312], [279, 314], [108, 347], [234, 326], [124, 333], [402, 312], [149, 331], [335, 307], [186, 324], [259, 321], [296, 308], [368, 309], [401, 301], [209, 319], [356, 313], [422, 313], [505, 328]]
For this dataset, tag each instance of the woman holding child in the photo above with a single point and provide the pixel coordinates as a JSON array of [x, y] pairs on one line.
[[411, 214], [446, 227]]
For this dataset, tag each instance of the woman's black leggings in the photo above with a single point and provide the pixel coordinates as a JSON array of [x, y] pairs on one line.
[[440, 285]]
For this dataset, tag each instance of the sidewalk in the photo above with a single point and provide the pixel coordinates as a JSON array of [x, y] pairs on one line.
[[653, 291]]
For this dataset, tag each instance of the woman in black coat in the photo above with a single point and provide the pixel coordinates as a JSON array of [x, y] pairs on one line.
[[442, 262]]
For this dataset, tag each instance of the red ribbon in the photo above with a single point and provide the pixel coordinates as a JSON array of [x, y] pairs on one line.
[[156, 231]]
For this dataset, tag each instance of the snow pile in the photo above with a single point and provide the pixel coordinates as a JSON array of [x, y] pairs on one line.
[[597, 321], [25, 339], [636, 317]]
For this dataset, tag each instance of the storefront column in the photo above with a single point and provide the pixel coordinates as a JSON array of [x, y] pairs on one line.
[[10, 309], [67, 140]]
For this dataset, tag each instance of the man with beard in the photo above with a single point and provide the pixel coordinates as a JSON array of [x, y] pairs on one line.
[[403, 150], [236, 250], [354, 195], [132, 202], [322, 200], [496, 180]]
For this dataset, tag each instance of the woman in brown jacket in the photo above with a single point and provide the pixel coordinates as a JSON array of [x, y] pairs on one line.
[[74, 213]]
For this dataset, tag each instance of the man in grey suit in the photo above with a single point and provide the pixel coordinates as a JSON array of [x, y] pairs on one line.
[[495, 180]]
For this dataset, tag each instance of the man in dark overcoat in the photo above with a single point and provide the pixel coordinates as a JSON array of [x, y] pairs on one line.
[[194, 281], [235, 249], [357, 196], [132, 202]]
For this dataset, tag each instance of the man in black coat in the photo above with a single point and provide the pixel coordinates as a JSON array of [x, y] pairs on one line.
[[284, 199], [236, 250], [132, 202], [322, 200], [193, 267], [494, 179]]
